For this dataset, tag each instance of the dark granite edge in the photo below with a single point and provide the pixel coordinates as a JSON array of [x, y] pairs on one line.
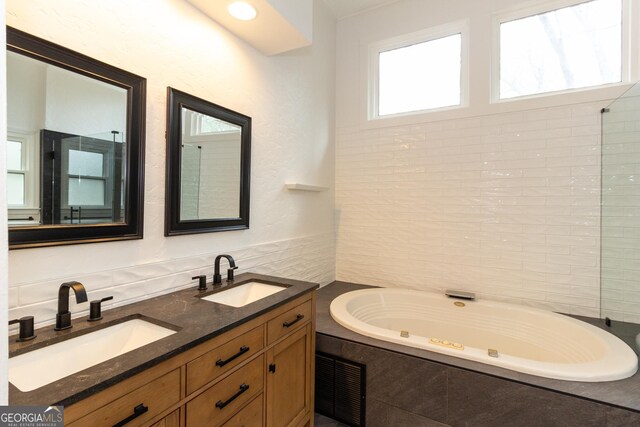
[[597, 392], [66, 391]]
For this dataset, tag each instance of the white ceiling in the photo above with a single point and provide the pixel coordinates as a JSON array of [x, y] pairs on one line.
[[344, 8]]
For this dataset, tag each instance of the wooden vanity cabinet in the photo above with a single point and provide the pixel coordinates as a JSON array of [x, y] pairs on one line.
[[251, 415], [257, 374], [288, 382], [139, 405], [171, 420]]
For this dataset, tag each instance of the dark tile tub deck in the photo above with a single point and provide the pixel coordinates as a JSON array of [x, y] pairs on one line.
[[412, 387]]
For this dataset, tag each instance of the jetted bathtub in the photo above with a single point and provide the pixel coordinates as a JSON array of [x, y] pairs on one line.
[[522, 339]]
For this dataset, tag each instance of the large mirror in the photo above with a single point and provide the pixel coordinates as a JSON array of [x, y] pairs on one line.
[[75, 144], [208, 161]]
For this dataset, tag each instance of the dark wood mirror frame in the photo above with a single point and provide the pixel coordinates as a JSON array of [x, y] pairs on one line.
[[132, 228], [176, 100]]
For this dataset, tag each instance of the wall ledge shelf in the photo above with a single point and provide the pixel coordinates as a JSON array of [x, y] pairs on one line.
[[304, 187]]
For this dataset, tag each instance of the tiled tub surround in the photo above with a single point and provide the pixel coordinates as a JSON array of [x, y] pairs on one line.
[[308, 258], [195, 320], [408, 386], [504, 205]]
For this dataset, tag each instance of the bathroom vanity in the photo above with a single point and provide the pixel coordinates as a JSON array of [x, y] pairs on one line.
[[248, 365]]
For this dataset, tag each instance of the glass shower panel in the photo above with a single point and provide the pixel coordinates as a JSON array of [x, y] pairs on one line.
[[620, 215]]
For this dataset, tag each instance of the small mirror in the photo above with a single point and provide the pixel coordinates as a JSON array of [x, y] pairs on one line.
[[75, 144], [208, 161]]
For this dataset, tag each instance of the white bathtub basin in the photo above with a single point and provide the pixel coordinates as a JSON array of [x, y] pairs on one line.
[[43, 366], [244, 294], [519, 338]]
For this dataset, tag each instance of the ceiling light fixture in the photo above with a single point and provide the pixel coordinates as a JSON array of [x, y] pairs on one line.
[[242, 10]]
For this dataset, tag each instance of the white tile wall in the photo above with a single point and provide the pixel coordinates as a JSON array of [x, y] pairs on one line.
[[504, 205], [621, 209], [307, 258]]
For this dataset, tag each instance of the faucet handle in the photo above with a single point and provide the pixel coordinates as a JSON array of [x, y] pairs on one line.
[[202, 282], [26, 328], [230, 273], [95, 309]]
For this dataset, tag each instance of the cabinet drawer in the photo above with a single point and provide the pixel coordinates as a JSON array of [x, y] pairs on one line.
[[155, 396], [249, 416], [221, 359], [288, 321], [224, 398]]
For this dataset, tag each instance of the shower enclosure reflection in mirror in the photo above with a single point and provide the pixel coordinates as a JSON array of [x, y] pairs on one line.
[[208, 166]]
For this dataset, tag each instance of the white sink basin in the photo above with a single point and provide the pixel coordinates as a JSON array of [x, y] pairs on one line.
[[43, 366], [244, 294]]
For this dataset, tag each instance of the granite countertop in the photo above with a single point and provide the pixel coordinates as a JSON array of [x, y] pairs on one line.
[[194, 320], [622, 393]]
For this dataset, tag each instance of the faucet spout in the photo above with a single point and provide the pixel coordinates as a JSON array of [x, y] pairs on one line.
[[217, 278], [63, 317]]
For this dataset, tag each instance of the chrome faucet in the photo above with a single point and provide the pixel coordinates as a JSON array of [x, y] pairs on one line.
[[63, 317], [217, 278]]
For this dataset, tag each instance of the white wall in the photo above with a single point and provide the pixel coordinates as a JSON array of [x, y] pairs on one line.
[[68, 97], [499, 199], [289, 97], [26, 94]]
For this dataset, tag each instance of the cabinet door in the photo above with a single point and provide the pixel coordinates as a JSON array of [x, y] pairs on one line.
[[289, 379], [171, 420]]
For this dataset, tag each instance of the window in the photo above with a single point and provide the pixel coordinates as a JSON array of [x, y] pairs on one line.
[[16, 171], [419, 72], [22, 173], [86, 178], [567, 48], [198, 124]]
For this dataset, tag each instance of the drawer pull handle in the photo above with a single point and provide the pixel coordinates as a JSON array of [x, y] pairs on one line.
[[242, 351], [298, 318], [220, 404], [137, 411]]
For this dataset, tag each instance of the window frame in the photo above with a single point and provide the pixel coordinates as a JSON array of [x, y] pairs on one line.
[[406, 40], [628, 71], [107, 161], [19, 214]]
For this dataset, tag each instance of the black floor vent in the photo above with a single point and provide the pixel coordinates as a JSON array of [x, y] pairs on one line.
[[340, 389]]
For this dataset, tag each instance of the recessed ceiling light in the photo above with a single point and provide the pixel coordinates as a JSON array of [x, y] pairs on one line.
[[242, 10]]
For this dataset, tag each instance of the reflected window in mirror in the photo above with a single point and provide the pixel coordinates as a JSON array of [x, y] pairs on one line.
[[208, 160], [75, 146]]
